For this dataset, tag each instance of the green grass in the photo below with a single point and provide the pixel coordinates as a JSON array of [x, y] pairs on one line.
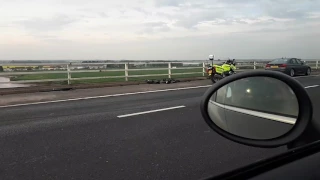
[[112, 73]]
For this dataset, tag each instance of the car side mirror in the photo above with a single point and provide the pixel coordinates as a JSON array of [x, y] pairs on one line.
[[258, 108]]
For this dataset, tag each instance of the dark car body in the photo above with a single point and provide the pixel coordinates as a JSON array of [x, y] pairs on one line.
[[290, 66]]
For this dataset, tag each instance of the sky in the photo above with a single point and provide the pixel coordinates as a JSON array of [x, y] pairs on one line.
[[158, 29]]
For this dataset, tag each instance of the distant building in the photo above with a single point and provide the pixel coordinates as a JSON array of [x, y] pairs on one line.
[[18, 68]]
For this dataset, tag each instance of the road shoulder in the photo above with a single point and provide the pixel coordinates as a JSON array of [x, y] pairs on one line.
[[13, 99]]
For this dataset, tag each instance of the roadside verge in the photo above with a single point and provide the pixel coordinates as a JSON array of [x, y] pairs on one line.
[[91, 93], [48, 88]]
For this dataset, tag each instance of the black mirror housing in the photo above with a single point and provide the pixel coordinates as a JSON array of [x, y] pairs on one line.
[[303, 116]]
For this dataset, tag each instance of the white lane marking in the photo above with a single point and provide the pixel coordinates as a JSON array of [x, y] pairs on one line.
[[311, 86], [105, 96], [269, 116], [152, 111], [306, 76]]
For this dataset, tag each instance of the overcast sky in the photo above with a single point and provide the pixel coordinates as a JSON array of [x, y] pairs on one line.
[[159, 29]]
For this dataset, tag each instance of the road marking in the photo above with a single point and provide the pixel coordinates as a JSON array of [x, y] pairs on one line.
[[306, 76], [268, 116], [313, 86], [152, 111], [105, 96]]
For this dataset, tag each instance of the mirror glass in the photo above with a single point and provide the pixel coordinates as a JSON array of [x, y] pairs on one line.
[[255, 107]]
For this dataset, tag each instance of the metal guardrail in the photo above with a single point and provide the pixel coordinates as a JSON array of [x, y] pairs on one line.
[[126, 68]]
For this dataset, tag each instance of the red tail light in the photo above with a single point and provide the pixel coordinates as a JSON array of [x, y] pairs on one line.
[[283, 65], [268, 66]]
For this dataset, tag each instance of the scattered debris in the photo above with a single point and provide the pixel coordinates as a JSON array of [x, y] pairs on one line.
[[166, 81], [152, 81], [170, 80]]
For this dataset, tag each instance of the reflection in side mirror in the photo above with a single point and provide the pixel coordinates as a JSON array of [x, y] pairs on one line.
[[257, 108]]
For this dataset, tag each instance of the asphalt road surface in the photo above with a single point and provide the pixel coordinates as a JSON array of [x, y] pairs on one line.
[[107, 138]]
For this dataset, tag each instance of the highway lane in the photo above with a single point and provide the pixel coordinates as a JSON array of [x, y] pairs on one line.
[[111, 106], [86, 140]]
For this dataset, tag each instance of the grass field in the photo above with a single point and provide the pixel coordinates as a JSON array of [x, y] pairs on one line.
[[44, 76]]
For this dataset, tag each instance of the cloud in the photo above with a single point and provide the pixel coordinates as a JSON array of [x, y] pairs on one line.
[[293, 9], [168, 2], [155, 24], [180, 29], [143, 11], [154, 27], [194, 19], [103, 14], [49, 24]]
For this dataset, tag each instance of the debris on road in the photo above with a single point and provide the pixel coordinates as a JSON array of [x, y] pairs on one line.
[[152, 81], [170, 80], [165, 81]]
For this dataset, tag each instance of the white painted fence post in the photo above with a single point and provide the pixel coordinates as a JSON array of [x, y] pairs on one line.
[[126, 72], [203, 69], [254, 65], [169, 69], [69, 73], [317, 64]]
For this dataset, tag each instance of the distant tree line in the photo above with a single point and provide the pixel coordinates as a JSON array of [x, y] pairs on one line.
[[87, 61], [124, 61], [28, 61]]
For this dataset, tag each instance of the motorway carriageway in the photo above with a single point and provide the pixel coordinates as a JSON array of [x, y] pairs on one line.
[[156, 135]]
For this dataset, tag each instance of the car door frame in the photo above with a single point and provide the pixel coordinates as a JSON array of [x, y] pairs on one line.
[[273, 163], [296, 66], [303, 66], [291, 65]]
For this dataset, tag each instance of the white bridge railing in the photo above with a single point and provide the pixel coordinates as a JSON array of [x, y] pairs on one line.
[[72, 71]]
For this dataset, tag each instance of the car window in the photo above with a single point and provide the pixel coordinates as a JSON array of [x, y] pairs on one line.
[[294, 61], [248, 93], [112, 89], [214, 97], [279, 61], [221, 95], [298, 61], [291, 61]]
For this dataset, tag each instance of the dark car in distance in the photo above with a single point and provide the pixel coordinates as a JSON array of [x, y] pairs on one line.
[[290, 66]]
